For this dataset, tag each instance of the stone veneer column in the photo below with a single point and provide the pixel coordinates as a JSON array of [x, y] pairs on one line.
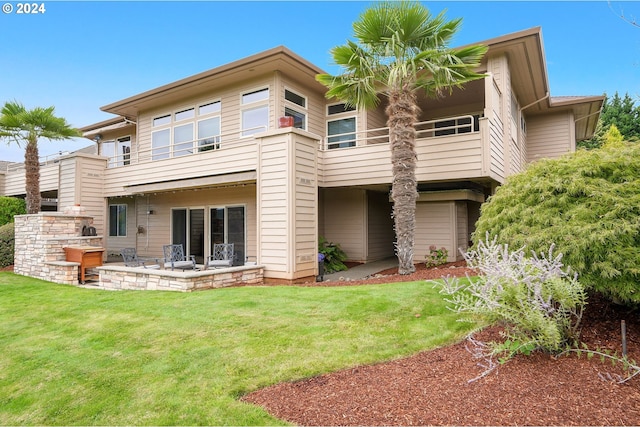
[[39, 242]]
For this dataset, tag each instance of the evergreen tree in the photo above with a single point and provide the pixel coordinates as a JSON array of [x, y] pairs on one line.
[[621, 112]]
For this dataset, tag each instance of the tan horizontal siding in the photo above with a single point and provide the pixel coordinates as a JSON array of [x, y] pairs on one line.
[[344, 216], [158, 225], [14, 181], [380, 235], [549, 136], [237, 158], [458, 156], [434, 226]]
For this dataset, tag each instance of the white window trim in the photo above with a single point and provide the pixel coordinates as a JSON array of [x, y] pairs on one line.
[[337, 117], [296, 107], [173, 123], [217, 137], [126, 220], [326, 111], [252, 106]]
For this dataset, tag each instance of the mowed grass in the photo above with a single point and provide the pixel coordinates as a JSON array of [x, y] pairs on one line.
[[72, 356]]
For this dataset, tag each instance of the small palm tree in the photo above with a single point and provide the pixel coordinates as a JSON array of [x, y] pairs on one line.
[[402, 49], [24, 126]]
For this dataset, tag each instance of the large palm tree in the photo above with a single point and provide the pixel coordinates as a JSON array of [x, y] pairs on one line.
[[401, 50], [25, 127]]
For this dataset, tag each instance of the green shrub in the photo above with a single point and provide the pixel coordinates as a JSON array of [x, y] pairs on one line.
[[334, 256], [536, 298], [9, 207], [7, 237], [588, 205], [436, 256]]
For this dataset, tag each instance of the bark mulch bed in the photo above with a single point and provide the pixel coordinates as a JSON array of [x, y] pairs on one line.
[[433, 388]]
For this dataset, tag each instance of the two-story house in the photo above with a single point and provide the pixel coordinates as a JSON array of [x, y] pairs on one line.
[[253, 153]]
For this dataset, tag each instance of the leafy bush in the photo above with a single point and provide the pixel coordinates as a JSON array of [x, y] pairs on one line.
[[588, 204], [7, 237], [539, 302], [9, 207], [334, 256], [436, 256]]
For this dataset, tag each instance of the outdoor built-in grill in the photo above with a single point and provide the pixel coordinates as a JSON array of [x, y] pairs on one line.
[[87, 256]]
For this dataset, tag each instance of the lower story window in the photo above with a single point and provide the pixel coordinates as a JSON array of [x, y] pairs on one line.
[[117, 220]]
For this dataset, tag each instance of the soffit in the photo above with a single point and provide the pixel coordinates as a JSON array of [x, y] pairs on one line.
[[192, 183], [525, 53], [586, 111], [277, 59]]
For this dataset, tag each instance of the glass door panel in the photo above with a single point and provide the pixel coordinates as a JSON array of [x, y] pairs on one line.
[[196, 234], [235, 233], [179, 227]]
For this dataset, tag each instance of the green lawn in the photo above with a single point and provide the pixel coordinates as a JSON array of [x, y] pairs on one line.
[[72, 356]]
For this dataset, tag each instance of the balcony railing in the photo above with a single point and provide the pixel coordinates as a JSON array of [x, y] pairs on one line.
[[180, 149], [44, 161], [426, 129]]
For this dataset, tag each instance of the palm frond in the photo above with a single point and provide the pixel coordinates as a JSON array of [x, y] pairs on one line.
[[401, 45]]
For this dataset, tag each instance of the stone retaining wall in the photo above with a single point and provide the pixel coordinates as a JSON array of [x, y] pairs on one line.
[[137, 278], [118, 277]]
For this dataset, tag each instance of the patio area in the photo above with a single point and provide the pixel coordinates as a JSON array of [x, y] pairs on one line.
[[43, 241], [116, 276]]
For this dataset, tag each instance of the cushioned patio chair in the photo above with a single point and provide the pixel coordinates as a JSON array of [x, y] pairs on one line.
[[174, 257], [131, 259], [222, 256]]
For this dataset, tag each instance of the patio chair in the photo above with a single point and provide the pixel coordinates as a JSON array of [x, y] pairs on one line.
[[174, 257], [131, 259], [222, 256]]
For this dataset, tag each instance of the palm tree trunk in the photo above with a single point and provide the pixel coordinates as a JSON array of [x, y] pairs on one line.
[[403, 113], [32, 177]]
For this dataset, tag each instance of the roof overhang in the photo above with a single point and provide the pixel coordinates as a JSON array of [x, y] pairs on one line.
[[277, 59], [586, 112], [103, 128], [529, 79], [237, 178], [528, 69]]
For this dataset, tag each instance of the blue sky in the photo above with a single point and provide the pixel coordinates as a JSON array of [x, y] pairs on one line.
[[81, 55]]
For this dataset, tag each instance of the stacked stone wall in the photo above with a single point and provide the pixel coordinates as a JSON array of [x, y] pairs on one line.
[[40, 240], [127, 278]]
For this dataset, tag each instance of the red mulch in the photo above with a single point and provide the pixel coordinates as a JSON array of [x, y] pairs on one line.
[[433, 388]]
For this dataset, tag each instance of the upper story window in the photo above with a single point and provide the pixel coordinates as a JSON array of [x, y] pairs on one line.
[[255, 112], [118, 151], [162, 120], [185, 114], [339, 108], [296, 107], [457, 125], [186, 131], [516, 123], [341, 126], [210, 108]]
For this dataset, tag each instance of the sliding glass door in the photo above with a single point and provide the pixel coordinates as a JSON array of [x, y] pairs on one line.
[[228, 226], [187, 229]]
